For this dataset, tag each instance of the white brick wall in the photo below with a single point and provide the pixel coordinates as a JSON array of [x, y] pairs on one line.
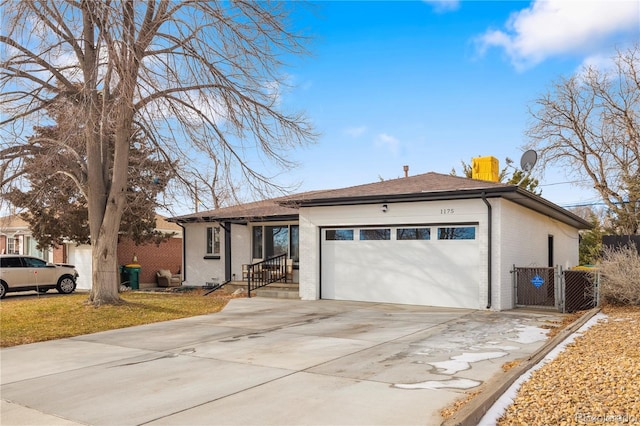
[[309, 260], [198, 269], [523, 236], [240, 249]]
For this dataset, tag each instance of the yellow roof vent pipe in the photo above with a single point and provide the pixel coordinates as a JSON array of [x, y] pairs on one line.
[[485, 168]]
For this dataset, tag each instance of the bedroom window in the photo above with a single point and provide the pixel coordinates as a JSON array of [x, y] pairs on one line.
[[213, 240]]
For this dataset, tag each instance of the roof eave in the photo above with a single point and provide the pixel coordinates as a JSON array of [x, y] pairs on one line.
[[541, 205], [512, 193], [234, 219], [416, 196]]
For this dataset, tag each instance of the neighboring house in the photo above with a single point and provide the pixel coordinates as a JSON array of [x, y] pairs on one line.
[[15, 237], [430, 239], [151, 256]]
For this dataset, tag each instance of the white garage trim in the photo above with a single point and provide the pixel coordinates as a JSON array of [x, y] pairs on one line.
[[379, 264]]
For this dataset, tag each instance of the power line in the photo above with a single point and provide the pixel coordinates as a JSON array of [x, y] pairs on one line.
[[590, 204], [599, 203], [564, 183]]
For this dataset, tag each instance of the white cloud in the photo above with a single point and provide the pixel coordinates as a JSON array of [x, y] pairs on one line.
[[356, 132], [555, 27], [602, 62], [388, 141], [442, 6]]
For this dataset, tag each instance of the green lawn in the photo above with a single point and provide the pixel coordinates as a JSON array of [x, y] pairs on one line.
[[36, 319]]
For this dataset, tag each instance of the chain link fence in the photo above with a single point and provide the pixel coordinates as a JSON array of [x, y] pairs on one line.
[[554, 288]]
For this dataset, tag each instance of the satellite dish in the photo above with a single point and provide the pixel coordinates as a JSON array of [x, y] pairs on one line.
[[528, 160]]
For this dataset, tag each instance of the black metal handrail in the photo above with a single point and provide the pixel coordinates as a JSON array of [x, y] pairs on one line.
[[268, 271]]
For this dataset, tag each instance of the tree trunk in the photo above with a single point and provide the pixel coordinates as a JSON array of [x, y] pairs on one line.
[[105, 246], [106, 282], [104, 260]]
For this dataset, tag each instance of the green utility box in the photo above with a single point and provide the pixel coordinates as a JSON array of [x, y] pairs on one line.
[[132, 274]]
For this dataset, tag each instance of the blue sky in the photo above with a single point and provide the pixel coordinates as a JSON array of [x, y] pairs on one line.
[[429, 84]]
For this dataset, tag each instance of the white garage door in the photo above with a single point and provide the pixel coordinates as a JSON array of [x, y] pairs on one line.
[[80, 257], [417, 265]]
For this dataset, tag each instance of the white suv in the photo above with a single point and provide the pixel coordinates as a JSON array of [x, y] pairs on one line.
[[22, 273]]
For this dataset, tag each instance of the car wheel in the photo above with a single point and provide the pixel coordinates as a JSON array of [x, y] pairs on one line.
[[66, 285], [3, 290], [42, 290]]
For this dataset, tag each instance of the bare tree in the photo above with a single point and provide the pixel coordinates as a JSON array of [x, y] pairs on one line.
[[590, 124], [196, 78], [52, 202]]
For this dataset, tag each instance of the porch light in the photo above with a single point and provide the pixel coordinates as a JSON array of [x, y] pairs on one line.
[[384, 208]]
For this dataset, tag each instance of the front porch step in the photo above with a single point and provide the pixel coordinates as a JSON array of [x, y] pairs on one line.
[[276, 293], [277, 290]]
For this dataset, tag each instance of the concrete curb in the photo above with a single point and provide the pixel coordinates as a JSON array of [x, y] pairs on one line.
[[491, 390]]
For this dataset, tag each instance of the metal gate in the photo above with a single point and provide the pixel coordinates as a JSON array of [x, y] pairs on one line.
[[535, 286], [567, 291]]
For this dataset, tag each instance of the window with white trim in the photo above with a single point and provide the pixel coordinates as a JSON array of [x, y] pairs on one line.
[[213, 240]]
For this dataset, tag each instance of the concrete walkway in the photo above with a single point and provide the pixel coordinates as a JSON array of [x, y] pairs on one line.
[[269, 362]]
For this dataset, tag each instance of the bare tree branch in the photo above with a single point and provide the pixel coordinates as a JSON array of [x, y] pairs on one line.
[[590, 124], [198, 80]]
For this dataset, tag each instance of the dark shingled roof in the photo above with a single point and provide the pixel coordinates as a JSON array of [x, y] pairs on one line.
[[411, 186], [424, 187], [272, 209]]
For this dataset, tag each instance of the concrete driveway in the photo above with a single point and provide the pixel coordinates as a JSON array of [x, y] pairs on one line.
[[272, 362]]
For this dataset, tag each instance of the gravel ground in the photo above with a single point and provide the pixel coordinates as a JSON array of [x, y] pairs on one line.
[[595, 380]]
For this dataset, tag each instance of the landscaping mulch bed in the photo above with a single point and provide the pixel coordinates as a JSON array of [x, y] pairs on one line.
[[595, 380]]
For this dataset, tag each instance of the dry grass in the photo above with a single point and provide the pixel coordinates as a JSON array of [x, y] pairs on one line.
[[36, 319], [620, 275]]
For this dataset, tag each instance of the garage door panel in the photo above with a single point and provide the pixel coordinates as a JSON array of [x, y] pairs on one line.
[[423, 272], [80, 257]]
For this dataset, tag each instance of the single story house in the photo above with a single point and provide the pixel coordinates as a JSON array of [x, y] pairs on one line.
[[429, 239]]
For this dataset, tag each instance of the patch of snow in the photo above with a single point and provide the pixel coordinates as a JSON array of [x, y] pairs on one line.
[[440, 384], [498, 408], [462, 362], [530, 334]]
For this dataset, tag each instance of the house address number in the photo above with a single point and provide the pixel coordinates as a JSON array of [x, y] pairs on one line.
[[447, 211]]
